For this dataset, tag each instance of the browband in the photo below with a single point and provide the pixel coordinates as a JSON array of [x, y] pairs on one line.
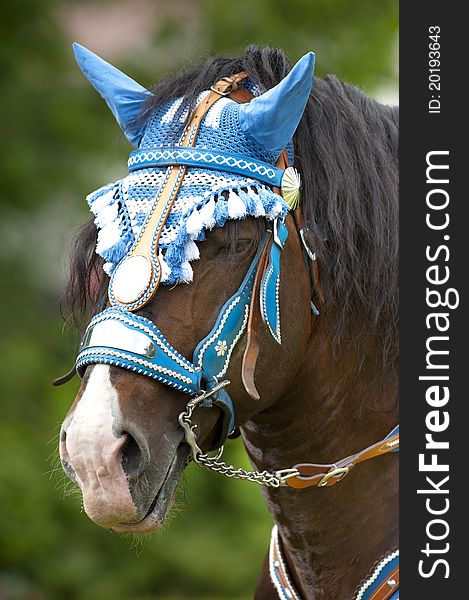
[[218, 160]]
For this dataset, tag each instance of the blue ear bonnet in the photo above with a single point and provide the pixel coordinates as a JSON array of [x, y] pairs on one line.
[[207, 198]]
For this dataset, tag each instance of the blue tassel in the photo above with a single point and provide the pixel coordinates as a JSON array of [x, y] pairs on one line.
[[248, 201], [221, 212], [127, 238], [176, 274], [140, 218], [116, 252], [268, 199], [175, 255]]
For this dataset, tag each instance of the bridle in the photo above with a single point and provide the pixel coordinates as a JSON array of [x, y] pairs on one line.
[[119, 337]]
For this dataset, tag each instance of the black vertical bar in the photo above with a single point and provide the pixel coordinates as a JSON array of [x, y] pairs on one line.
[[433, 119]]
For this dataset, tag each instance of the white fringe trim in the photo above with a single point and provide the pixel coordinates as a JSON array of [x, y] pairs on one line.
[[191, 251], [108, 236], [236, 207], [194, 224]]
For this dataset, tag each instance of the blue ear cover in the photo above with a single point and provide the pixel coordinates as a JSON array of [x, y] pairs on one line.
[[272, 118], [124, 96]]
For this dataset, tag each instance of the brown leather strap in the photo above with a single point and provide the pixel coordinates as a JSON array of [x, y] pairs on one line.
[[300, 226], [327, 475], [148, 242], [69, 375], [388, 587], [251, 351]]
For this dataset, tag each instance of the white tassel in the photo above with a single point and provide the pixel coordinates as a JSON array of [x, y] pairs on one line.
[[191, 251], [207, 214], [165, 268], [108, 236], [236, 207], [102, 201], [186, 272], [106, 215], [107, 268], [194, 224]]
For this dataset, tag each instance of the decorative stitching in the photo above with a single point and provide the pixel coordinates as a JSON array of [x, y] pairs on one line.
[[96, 352], [380, 566], [154, 335], [277, 333], [217, 331], [235, 341], [204, 158], [273, 569]]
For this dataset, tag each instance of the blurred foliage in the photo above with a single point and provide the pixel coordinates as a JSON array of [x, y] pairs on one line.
[[59, 142]]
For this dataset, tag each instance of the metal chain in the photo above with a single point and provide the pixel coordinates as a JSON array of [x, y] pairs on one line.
[[274, 479]]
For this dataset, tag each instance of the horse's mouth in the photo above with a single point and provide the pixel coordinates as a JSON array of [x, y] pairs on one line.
[[163, 500]]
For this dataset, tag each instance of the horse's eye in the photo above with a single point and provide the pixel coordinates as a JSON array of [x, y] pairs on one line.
[[241, 245], [235, 247]]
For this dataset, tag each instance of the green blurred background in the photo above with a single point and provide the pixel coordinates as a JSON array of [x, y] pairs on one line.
[[58, 142]]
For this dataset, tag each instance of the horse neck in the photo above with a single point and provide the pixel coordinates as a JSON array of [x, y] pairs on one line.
[[331, 536]]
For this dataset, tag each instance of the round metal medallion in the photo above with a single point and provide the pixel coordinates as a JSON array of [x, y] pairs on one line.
[[131, 279]]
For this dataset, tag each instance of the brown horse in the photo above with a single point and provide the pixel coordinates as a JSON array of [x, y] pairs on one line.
[[329, 390]]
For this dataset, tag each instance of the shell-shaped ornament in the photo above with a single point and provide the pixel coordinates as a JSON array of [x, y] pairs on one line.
[[291, 184]]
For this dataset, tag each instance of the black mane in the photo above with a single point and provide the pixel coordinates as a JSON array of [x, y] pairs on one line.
[[346, 148]]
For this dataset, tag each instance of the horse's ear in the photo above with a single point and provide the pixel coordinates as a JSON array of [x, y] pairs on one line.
[[124, 96], [272, 118]]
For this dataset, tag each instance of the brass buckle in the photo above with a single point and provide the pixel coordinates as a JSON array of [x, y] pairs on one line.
[[333, 473], [232, 86]]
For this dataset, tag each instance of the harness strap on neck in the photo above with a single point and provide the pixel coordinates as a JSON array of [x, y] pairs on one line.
[[327, 475], [381, 583], [278, 569]]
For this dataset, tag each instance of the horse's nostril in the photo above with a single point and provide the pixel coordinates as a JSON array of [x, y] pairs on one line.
[[132, 459]]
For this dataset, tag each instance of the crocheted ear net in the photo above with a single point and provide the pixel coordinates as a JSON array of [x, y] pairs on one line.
[[205, 200]]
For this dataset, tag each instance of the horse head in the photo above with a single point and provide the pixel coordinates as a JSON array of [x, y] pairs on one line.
[[204, 264]]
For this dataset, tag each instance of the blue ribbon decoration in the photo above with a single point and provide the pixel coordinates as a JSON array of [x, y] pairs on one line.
[[270, 284]]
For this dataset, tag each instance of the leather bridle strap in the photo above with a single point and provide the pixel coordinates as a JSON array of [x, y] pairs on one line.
[[327, 475], [251, 351]]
